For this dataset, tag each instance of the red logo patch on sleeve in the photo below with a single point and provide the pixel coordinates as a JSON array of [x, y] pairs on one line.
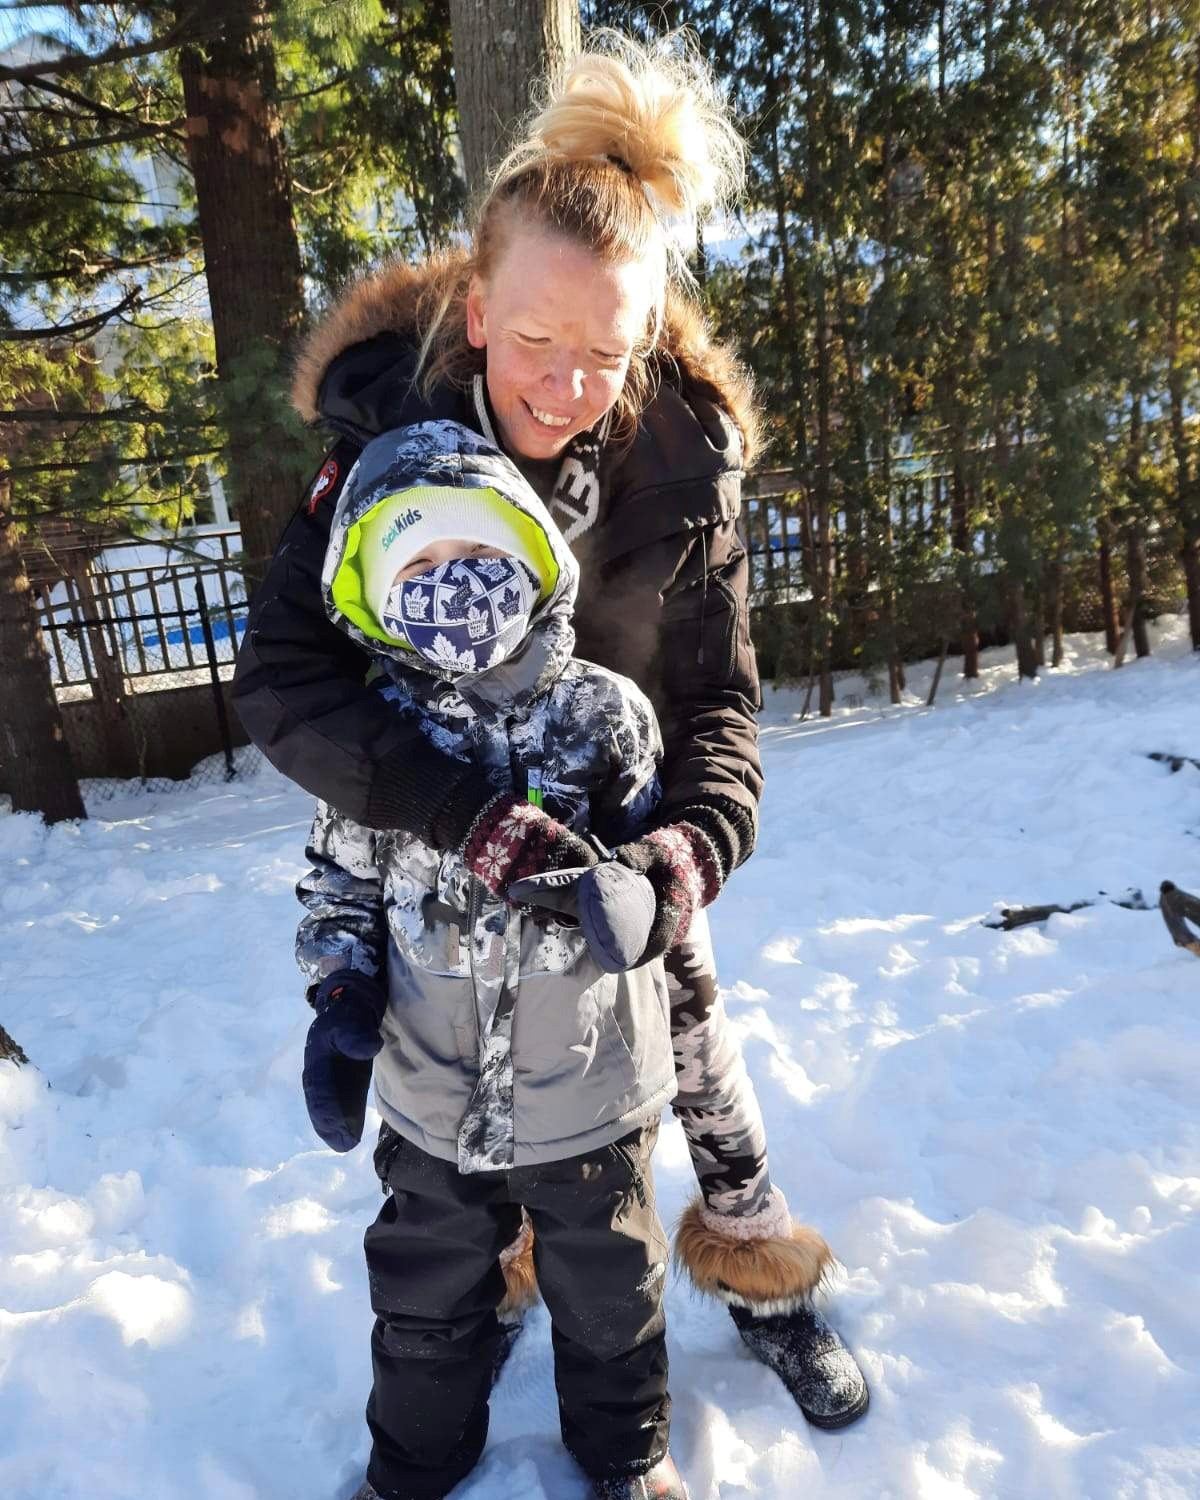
[[325, 481]]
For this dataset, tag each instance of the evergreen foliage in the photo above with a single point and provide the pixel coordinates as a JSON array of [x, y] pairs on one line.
[[968, 288], [967, 278]]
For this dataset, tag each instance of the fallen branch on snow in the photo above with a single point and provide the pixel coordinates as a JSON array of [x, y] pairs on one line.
[[1021, 916], [1178, 908], [10, 1049], [1176, 762]]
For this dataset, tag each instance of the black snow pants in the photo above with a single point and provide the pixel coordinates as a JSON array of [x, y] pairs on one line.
[[433, 1262]]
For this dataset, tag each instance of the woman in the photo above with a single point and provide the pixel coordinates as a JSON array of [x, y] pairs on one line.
[[565, 335]]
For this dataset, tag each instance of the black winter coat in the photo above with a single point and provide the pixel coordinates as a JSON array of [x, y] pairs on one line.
[[662, 599]]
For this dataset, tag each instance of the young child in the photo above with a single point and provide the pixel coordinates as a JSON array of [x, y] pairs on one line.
[[515, 1074]]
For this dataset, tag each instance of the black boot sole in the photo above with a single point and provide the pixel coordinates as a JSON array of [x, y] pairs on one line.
[[841, 1418]]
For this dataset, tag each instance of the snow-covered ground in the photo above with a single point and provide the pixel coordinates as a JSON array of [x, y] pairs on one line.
[[998, 1131]]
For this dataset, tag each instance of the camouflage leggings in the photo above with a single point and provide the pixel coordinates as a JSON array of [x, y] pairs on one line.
[[716, 1103]]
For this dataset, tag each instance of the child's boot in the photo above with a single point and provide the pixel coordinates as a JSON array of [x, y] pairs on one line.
[[662, 1482], [766, 1269]]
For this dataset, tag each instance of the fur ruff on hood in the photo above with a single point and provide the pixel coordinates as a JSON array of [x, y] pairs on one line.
[[385, 300]]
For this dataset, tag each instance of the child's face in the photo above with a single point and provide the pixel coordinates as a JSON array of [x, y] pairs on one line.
[[435, 553]]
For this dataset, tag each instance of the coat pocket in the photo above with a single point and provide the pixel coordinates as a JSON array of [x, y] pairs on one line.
[[641, 1019], [705, 642]]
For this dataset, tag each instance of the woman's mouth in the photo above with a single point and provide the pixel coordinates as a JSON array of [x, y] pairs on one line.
[[546, 418]]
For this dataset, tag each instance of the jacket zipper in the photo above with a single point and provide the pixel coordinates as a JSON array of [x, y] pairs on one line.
[[475, 894]]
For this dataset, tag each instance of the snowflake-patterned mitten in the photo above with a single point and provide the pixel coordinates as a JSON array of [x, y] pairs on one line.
[[685, 871], [511, 839]]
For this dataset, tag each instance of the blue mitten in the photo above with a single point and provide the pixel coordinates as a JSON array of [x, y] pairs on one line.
[[614, 906], [342, 1043]]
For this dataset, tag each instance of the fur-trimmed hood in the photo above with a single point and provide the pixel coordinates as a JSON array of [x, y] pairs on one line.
[[386, 299]]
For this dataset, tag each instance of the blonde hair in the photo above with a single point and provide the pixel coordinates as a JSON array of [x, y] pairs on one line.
[[628, 150]]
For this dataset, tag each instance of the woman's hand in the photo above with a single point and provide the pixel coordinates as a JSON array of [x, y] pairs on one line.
[[511, 840], [613, 905], [682, 867], [638, 905]]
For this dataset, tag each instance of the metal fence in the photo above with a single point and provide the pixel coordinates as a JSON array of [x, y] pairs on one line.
[[153, 621], [120, 640]]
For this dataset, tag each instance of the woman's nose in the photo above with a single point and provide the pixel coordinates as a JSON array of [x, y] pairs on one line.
[[565, 380]]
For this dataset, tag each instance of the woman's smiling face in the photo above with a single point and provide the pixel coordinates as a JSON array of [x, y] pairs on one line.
[[559, 326]]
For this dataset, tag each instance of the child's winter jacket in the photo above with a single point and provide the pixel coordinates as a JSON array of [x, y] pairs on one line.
[[505, 1044]]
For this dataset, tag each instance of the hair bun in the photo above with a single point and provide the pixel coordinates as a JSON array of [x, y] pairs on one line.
[[656, 110]]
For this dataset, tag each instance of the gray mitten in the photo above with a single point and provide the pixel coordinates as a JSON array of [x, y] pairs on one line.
[[613, 905]]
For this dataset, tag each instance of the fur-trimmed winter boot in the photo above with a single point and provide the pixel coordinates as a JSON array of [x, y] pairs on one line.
[[520, 1291], [766, 1269], [520, 1278], [662, 1482]]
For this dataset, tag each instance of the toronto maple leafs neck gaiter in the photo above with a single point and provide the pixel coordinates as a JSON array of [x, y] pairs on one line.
[[465, 615]]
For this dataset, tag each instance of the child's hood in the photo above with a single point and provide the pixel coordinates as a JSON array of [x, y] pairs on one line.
[[444, 455]]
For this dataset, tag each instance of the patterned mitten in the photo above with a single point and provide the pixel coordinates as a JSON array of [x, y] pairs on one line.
[[511, 839], [685, 872]]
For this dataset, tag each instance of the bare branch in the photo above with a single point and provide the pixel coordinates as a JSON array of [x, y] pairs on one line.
[[183, 32], [145, 414], [101, 267], [33, 192], [73, 96], [68, 148], [81, 325], [123, 460]]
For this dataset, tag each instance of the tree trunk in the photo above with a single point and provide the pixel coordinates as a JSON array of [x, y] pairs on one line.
[[39, 773], [251, 259], [123, 756], [960, 525], [823, 594], [1187, 483], [1189, 480], [1019, 625], [822, 583], [500, 48], [1108, 593], [1135, 563], [954, 336], [1135, 547], [1056, 606], [1191, 571]]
